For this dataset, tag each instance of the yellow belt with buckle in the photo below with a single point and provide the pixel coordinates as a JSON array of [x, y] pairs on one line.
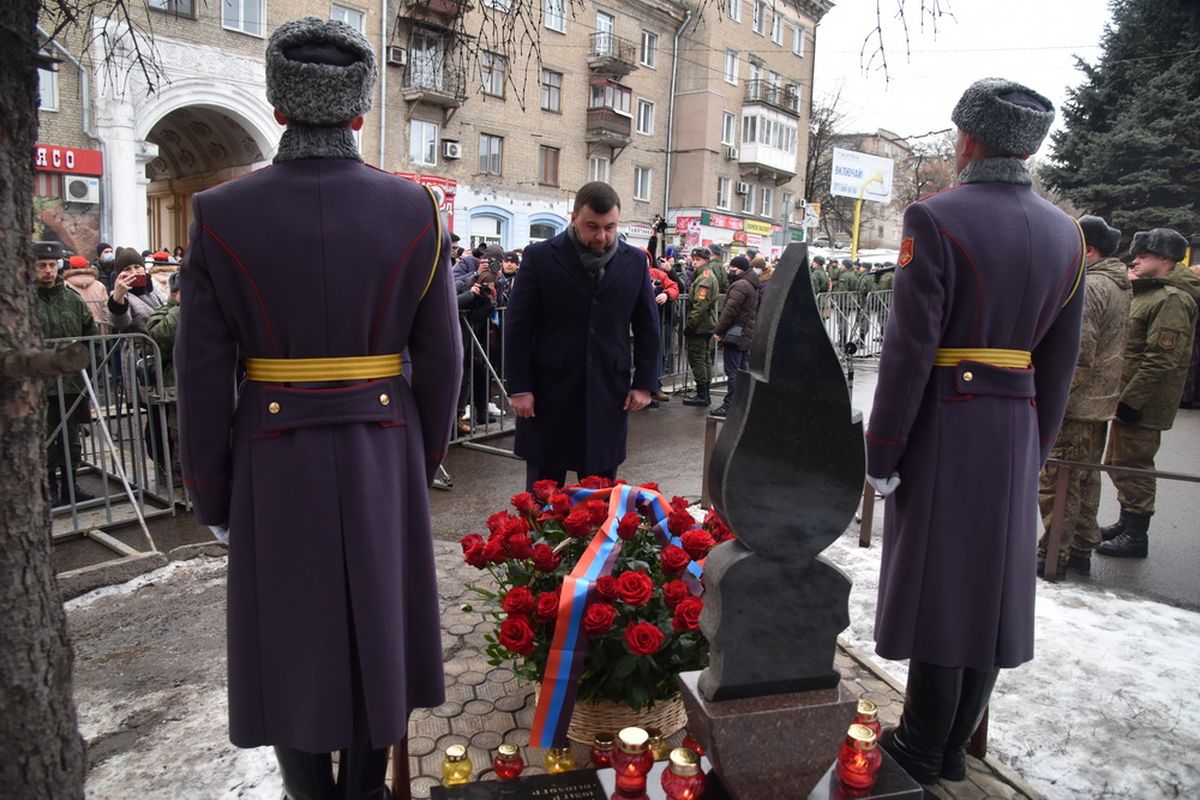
[[305, 370], [994, 356]]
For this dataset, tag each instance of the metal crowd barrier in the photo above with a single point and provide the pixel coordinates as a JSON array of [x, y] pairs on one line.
[[121, 412], [852, 318]]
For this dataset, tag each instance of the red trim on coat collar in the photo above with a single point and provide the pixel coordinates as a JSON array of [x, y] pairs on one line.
[[887, 442], [940, 191], [262, 305], [978, 337]]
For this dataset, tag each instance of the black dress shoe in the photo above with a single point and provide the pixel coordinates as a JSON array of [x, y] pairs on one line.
[[1060, 571], [653, 404], [1080, 564]]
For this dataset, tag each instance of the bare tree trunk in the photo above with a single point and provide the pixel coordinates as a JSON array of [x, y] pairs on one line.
[[41, 751]]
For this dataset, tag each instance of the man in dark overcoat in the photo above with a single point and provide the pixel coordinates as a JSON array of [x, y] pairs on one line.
[[317, 465], [973, 381], [570, 377]]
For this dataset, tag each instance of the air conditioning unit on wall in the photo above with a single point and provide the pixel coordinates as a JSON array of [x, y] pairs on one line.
[[397, 56], [451, 149], [743, 187], [77, 189], [731, 153]]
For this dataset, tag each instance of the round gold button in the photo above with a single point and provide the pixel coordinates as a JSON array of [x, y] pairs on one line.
[[968, 377], [384, 399], [273, 408]]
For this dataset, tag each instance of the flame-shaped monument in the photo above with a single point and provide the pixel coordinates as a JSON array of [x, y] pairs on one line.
[[786, 474]]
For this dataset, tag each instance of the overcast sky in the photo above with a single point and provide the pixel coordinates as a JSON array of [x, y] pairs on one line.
[[1030, 41]]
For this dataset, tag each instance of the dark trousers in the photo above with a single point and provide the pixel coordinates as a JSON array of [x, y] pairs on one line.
[[55, 457], [544, 472], [735, 362]]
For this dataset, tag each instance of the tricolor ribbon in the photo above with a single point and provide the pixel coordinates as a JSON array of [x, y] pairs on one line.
[[568, 647]]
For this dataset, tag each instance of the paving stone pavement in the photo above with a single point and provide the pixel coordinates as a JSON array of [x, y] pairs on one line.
[[487, 705]]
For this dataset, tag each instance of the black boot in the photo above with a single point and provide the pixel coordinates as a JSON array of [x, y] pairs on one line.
[[52, 488], [976, 691], [1110, 532], [930, 705], [306, 776], [67, 484], [701, 398], [722, 409], [362, 772], [1133, 542]]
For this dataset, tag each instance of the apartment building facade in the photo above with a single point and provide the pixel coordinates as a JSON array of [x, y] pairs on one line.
[[505, 109]]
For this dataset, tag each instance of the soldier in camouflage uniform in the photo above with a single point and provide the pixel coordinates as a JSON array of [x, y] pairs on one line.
[[61, 314], [700, 323], [1093, 399], [715, 254], [1162, 326], [844, 287], [818, 275]]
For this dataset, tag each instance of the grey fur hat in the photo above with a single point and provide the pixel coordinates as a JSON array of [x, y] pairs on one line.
[[1004, 114], [1163, 242], [319, 72], [1099, 234]]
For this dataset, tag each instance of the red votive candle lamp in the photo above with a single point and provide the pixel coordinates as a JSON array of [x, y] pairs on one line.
[[683, 779], [602, 750], [859, 760], [631, 761], [692, 743], [508, 763], [868, 715]]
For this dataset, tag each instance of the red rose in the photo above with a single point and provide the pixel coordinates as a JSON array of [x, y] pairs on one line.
[[544, 558], [473, 550], [674, 559], [697, 543], [599, 618], [627, 528], [544, 489], [606, 587], [597, 510], [642, 638], [525, 503], [651, 486], [634, 587], [679, 503], [518, 546], [687, 614], [560, 504], [498, 521], [517, 635], [679, 521], [675, 592], [717, 526], [578, 523], [514, 526], [494, 549], [596, 482], [519, 600], [545, 607]]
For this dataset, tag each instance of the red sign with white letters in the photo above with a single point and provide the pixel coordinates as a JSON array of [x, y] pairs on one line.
[[52, 158]]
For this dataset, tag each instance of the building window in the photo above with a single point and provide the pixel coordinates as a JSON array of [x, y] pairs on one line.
[[245, 16], [553, 15], [724, 185], [731, 67], [649, 49], [606, 94], [539, 231], [789, 206], [735, 10], [728, 128], [777, 29], [497, 5], [47, 88], [641, 183], [548, 165], [486, 229], [768, 198], [798, 41], [756, 71], [598, 168], [351, 16], [423, 142], [551, 91], [748, 199], [645, 117], [759, 22], [180, 8], [491, 154], [492, 68]]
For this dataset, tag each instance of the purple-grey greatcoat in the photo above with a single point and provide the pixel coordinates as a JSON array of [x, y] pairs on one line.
[[326, 499], [567, 341], [992, 265]]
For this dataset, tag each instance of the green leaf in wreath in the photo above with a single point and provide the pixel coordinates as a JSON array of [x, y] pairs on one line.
[[625, 666]]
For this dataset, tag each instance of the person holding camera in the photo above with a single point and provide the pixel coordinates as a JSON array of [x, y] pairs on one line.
[[132, 299], [476, 302], [666, 292]]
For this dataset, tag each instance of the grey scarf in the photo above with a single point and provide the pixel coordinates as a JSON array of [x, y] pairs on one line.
[[593, 263], [316, 141], [1006, 169]]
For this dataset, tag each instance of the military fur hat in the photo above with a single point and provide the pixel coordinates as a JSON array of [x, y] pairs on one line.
[[319, 72], [1161, 242], [44, 251], [716, 250], [819, 261], [1004, 114], [1099, 234]]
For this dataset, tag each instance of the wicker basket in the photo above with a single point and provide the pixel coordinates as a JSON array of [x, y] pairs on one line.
[[605, 716]]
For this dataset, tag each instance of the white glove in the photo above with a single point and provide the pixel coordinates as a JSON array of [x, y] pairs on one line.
[[221, 532], [885, 486]]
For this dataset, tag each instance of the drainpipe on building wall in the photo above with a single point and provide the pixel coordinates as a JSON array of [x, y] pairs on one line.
[[85, 90], [383, 46], [687, 17]]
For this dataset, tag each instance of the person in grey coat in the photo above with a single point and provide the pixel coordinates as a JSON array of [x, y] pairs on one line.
[[973, 380], [318, 473]]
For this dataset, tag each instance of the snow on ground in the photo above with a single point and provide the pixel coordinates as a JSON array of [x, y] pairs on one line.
[[1108, 706]]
